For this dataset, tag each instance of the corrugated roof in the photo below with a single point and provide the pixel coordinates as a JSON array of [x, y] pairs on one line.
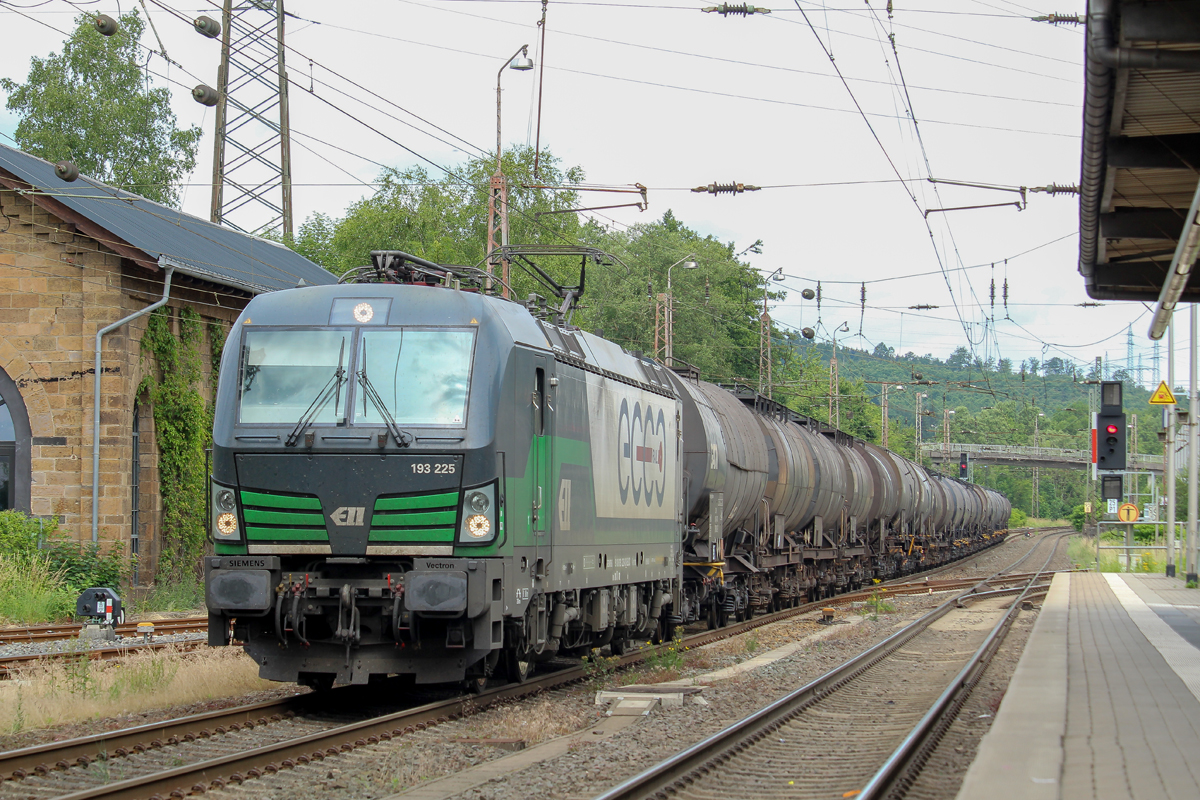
[[192, 245]]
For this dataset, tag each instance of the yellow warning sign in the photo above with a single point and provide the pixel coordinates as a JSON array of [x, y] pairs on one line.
[[1128, 512], [1162, 395]]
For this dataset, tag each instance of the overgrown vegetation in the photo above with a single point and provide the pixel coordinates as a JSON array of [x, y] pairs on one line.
[[42, 573], [183, 428]]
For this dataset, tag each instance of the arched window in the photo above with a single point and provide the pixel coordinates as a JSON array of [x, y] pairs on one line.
[[14, 447]]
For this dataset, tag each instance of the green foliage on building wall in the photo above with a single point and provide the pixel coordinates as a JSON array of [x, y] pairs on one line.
[[183, 429]]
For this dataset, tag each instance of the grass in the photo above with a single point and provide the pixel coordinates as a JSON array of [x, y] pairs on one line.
[[74, 689], [876, 604], [1042, 522], [31, 591], [1082, 552], [167, 597]]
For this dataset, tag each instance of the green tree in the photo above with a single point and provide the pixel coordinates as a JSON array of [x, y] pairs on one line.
[[444, 218], [92, 105]]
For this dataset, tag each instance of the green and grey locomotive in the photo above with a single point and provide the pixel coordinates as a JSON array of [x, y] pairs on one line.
[[413, 475]]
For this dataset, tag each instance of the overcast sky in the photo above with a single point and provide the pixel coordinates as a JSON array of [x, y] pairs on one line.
[[661, 94]]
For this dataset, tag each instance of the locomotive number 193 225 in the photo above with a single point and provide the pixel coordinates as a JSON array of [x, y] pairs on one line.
[[434, 469]]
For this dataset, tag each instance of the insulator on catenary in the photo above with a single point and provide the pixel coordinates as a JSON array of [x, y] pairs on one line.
[[205, 95], [807, 294], [207, 26], [726, 188], [1054, 188], [1061, 19], [106, 25], [736, 10], [67, 171], [807, 333]]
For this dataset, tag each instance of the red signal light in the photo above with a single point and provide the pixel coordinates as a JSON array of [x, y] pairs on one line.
[[1112, 429]]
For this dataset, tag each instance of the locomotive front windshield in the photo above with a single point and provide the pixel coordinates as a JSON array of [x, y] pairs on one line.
[[419, 377], [284, 373]]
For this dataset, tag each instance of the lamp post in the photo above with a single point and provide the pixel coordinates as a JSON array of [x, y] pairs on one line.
[[1037, 451], [764, 336], [498, 199], [688, 263], [835, 397], [899, 388], [919, 436]]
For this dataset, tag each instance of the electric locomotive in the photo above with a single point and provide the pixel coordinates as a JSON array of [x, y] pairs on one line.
[[414, 478]]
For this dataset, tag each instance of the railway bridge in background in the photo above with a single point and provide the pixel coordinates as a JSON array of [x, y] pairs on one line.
[[1026, 456]]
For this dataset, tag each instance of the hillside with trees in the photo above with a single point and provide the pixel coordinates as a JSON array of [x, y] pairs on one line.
[[717, 309]]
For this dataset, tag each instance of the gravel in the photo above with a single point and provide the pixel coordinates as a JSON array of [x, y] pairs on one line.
[[588, 768], [76, 645]]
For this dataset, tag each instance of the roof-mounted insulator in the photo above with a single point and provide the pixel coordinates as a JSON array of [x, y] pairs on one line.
[[205, 95], [1061, 19], [736, 10], [207, 26], [1054, 188], [106, 25], [726, 188], [67, 171]]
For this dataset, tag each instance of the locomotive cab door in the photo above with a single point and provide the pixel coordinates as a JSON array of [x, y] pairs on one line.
[[543, 425]]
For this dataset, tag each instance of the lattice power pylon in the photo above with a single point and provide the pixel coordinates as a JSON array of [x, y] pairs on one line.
[[252, 171]]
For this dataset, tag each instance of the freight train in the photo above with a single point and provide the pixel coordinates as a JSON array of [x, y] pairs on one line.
[[413, 475]]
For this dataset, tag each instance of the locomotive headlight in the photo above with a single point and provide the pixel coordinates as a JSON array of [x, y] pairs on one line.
[[479, 526], [479, 521], [227, 525], [225, 502]]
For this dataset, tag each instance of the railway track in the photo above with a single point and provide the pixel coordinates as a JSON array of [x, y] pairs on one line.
[[245, 742], [862, 730], [50, 633]]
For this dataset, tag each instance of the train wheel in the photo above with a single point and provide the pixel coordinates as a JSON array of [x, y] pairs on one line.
[[517, 666], [618, 646], [722, 618], [476, 684], [659, 634], [712, 616]]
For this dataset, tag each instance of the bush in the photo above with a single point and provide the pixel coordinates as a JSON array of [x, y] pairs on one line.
[[85, 565], [20, 534], [1018, 519], [1077, 517]]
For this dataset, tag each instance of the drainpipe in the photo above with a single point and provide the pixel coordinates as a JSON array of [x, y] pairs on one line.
[[1102, 43], [96, 395]]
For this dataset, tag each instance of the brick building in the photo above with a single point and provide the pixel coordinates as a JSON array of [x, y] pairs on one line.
[[75, 258]]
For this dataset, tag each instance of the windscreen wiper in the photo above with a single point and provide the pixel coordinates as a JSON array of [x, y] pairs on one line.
[[332, 388], [403, 438]]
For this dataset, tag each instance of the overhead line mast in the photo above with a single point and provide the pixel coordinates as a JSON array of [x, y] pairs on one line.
[[252, 162]]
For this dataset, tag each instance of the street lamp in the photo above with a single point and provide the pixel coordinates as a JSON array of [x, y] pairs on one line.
[[688, 262], [498, 199]]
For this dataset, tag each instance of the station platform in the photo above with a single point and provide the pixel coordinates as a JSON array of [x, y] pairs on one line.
[[1105, 701]]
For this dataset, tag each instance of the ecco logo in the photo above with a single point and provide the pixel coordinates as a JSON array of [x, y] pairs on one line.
[[348, 516]]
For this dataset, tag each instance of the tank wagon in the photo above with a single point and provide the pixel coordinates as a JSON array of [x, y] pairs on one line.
[[411, 475]]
